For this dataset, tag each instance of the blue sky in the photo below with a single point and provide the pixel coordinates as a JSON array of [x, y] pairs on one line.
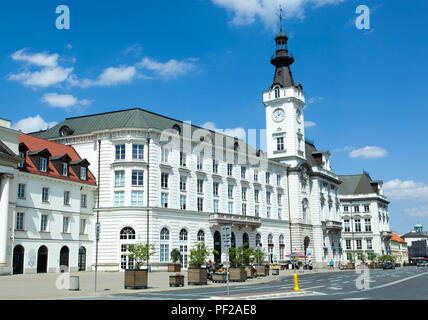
[[208, 61]]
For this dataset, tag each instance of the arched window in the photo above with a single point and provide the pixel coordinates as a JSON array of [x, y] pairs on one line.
[[127, 233], [183, 235], [281, 247], [164, 245], [245, 240], [164, 234], [270, 239], [258, 239], [276, 92], [281, 239], [201, 236], [305, 209], [82, 259]]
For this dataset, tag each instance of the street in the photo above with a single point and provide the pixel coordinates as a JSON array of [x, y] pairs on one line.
[[409, 283]]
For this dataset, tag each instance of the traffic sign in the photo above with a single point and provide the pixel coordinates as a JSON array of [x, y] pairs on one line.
[[309, 252], [226, 235]]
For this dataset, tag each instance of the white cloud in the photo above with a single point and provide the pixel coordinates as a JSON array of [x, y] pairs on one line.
[[313, 100], [309, 124], [44, 78], [170, 68], [32, 124], [406, 190], [42, 59], [109, 77], [369, 152], [417, 212], [233, 132], [64, 101], [247, 11]]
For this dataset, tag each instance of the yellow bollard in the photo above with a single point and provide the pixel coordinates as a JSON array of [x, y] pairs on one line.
[[296, 283]]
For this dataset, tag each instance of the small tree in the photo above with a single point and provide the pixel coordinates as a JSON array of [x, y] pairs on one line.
[[260, 256], [176, 255], [233, 257], [247, 256], [350, 257], [140, 253], [199, 254], [371, 257], [363, 257]]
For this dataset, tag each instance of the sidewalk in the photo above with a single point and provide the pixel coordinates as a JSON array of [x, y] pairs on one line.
[[43, 286]]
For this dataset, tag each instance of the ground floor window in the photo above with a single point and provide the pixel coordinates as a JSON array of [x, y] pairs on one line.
[[125, 261]]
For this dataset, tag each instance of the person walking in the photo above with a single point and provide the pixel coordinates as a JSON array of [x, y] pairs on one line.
[[331, 264]]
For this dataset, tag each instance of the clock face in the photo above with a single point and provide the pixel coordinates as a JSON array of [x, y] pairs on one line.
[[299, 116], [278, 115]]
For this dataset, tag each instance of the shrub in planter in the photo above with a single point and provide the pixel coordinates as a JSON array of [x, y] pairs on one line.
[[237, 270], [137, 278], [261, 269], [198, 256], [176, 257]]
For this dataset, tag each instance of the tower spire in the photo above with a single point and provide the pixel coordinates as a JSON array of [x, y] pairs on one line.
[[280, 18]]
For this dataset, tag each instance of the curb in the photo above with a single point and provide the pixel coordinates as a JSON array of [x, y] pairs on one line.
[[269, 295]]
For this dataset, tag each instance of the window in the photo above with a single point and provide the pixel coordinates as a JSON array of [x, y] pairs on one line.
[[164, 200], [215, 205], [348, 245], [359, 245], [44, 223], [368, 225], [120, 152], [258, 240], [215, 188], [345, 209], [83, 200], [137, 152], [229, 169], [276, 92], [200, 162], [267, 178], [369, 244], [347, 225], [366, 208], [244, 209], [43, 165], [64, 169], [268, 193], [164, 245], [256, 195], [279, 198], [257, 210], [45, 194], [230, 207], [164, 180], [268, 212], [280, 143], [215, 166], [119, 198], [65, 224], [83, 173], [243, 172], [356, 209], [200, 204], [182, 159], [183, 181], [127, 233], [200, 186], [82, 226], [280, 213], [183, 235], [278, 180], [137, 177], [357, 225], [19, 225], [21, 163], [164, 155], [256, 176], [67, 198], [21, 191], [244, 194], [201, 236], [230, 191], [281, 247], [183, 202], [119, 178], [137, 198]]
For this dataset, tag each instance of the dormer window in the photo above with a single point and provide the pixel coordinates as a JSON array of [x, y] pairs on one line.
[[83, 173], [64, 169], [22, 162], [43, 165]]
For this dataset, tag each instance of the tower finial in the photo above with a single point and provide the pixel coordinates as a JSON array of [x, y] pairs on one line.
[[280, 17]]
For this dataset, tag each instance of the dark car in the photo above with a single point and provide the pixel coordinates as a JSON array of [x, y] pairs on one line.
[[422, 264], [388, 265]]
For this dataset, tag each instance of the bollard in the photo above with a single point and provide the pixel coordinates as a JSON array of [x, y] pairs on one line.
[[296, 283]]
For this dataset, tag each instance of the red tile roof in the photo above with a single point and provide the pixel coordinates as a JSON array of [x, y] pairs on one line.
[[56, 149], [396, 238]]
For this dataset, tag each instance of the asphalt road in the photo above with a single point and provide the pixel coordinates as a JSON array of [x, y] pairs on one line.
[[400, 283]]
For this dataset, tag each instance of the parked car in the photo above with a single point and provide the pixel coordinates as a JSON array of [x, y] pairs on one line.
[[388, 265], [422, 264]]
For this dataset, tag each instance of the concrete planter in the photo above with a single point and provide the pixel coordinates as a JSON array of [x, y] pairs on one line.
[[262, 270], [251, 272], [197, 276], [174, 267], [237, 274], [219, 278], [136, 279], [176, 281], [275, 272]]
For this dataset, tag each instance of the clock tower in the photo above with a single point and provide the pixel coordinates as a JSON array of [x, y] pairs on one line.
[[284, 102]]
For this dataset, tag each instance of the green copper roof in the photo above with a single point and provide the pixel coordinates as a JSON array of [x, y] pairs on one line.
[[356, 184]]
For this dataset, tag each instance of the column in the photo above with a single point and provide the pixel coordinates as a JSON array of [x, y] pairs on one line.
[[4, 214]]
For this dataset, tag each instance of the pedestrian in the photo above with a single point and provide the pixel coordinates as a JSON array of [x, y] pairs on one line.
[[332, 264]]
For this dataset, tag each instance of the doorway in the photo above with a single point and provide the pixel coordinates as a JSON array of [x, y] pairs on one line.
[[64, 258], [18, 259], [42, 260]]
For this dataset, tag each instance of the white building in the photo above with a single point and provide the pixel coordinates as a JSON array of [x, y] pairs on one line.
[[53, 195], [173, 193], [365, 216]]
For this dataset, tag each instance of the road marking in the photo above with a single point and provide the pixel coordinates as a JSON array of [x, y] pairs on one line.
[[365, 298], [398, 281], [334, 288]]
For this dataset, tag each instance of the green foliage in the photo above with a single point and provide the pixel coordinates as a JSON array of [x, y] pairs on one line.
[[176, 255], [362, 257], [241, 256], [247, 256], [233, 257], [260, 256], [199, 254], [386, 257], [350, 257], [140, 253], [371, 256]]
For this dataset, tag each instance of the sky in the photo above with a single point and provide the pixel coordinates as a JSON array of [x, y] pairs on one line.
[[208, 61]]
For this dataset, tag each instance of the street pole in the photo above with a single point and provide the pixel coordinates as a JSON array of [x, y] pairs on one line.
[[97, 226]]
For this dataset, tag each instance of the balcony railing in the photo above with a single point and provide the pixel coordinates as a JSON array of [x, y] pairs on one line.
[[240, 221]]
